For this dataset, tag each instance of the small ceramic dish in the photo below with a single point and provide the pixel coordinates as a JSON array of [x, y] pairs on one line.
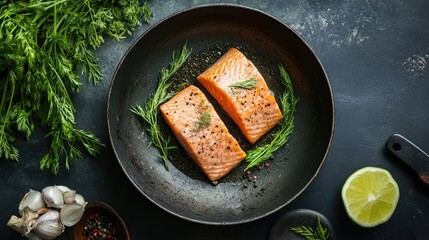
[[280, 230], [102, 209]]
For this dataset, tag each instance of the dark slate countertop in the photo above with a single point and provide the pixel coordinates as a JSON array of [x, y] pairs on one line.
[[376, 55]]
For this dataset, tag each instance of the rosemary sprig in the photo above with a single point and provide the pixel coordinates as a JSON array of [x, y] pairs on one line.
[[149, 111], [320, 233], [288, 103], [246, 84]]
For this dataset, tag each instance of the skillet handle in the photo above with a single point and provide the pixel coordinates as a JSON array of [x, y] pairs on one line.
[[410, 154]]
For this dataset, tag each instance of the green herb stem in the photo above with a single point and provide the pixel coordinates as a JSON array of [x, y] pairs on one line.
[[149, 111], [288, 104], [320, 233], [246, 84]]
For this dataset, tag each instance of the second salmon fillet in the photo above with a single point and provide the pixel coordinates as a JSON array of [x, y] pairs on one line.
[[252, 106], [202, 133]]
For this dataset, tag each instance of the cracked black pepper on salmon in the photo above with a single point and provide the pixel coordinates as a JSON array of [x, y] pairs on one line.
[[202, 133], [241, 90]]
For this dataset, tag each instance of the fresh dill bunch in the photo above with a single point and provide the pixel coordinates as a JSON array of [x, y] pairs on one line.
[[320, 233], [43, 46], [149, 111], [287, 103]]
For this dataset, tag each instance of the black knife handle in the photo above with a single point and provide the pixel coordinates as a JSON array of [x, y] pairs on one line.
[[410, 154]]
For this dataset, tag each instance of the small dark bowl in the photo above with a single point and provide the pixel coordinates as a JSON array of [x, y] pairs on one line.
[[102, 209], [299, 217]]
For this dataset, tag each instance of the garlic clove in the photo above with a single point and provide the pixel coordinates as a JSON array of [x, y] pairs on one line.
[[48, 225], [71, 213], [50, 215], [63, 189], [53, 197], [69, 196], [79, 199], [33, 200], [48, 229]]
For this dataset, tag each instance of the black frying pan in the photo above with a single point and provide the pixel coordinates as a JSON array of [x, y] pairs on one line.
[[184, 190]]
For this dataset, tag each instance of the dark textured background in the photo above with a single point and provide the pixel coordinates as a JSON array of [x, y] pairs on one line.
[[376, 55]]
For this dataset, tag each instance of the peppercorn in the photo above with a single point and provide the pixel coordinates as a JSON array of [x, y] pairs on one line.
[[98, 227]]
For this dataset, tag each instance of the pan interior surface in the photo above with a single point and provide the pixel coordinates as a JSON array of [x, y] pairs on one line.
[[184, 190]]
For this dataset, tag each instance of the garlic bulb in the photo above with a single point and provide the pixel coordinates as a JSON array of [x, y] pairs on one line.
[[33, 200], [71, 213], [41, 217], [48, 229], [53, 197]]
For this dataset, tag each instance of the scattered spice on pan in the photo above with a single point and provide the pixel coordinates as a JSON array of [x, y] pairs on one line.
[[99, 226], [252, 178]]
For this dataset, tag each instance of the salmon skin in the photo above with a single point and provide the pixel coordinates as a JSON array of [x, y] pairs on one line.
[[253, 109], [201, 132]]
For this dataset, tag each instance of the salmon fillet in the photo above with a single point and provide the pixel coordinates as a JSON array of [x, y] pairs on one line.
[[202, 133], [254, 110]]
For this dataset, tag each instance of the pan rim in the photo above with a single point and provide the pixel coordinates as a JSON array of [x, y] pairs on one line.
[[196, 8]]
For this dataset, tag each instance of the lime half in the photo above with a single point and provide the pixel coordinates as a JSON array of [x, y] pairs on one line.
[[370, 196]]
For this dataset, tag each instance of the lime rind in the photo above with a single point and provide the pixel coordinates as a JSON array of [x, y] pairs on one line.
[[367, 201]]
